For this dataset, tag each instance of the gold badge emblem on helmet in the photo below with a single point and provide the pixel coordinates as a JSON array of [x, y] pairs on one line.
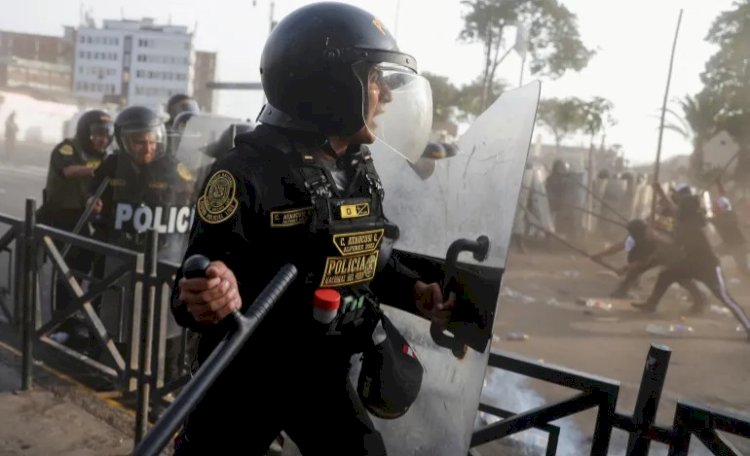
[[218, 201], [378, 25]]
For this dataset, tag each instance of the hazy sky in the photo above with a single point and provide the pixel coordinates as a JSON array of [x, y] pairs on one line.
[[632, 38]]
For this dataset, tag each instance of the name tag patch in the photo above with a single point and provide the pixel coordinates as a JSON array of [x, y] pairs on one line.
[[291, 217]]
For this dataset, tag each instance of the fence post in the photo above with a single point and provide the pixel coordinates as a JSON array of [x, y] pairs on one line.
[[28, 284], [146, 346], [649, 394]]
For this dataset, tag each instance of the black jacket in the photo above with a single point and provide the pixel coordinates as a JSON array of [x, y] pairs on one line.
[[255, 215]]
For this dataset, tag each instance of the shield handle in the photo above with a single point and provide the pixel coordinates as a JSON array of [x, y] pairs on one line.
[[480, 249]]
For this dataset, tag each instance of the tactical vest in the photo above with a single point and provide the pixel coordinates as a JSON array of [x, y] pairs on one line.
[[333, 236], [150, 197], [63, 193]]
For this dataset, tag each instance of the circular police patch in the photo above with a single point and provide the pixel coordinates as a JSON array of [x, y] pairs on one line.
[[218, 201], [184, 172]]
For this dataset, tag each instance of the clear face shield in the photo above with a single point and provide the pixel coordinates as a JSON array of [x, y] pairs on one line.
[[398, 107], [144, 144], [100, 135]]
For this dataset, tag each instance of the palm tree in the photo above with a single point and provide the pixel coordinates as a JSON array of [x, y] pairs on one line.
[[697, 124]]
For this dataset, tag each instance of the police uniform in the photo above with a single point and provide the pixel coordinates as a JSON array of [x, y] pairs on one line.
[[155, 196], [272, 201], [65, 197], [64, 204]]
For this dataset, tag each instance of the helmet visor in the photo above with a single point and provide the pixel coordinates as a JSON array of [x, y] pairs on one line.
[[397, 107], [101, 134], [144, 144]]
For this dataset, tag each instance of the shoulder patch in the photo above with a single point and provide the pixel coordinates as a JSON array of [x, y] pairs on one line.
[[66, 149], [184, 172], [218, 201]]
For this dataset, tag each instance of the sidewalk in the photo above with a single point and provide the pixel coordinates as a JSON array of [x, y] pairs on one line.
[[54, 417]]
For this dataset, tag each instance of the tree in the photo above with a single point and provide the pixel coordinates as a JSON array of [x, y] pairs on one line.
[[696, 124], [553, 41], [727, 78], [470, 97], [595, 115], [562, 116], [444, 98]]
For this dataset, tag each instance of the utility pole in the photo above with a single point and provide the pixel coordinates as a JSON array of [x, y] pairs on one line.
[[663, 112]]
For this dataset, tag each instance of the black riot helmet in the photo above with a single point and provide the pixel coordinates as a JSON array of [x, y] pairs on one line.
[[225, 143], [94, 123], [333, 68], [141, 134], [560, 167], [177, 129], [180, 103]]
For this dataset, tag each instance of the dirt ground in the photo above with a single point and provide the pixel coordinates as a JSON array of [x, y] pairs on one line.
[[542, 296]]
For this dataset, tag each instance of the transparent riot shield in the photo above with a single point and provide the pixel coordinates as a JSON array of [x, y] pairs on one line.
[[467, 202]]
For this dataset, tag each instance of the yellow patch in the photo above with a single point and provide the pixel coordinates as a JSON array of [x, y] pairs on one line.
[[158, 185], [378, 25], [353, 243], [291, 217], [349, 211], [93, 164], [117, 182], [348, 270], [218, 201], [184, 172], [66, 149]]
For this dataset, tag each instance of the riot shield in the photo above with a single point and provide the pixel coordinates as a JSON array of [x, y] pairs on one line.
[[199, 134], [469, 197]]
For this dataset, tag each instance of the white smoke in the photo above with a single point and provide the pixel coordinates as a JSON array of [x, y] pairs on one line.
[[511, 392]]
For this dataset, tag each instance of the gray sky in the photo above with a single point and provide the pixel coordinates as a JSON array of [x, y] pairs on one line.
[[632, 38]]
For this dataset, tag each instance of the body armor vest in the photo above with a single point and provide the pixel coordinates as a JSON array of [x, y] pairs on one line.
[[334, 235], [152, 196]]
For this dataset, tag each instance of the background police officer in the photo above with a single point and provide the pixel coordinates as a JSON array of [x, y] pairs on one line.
[[72, 166], [287, 195], [148, 189]]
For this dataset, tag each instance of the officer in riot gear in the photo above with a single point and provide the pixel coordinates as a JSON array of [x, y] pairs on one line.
[[302, 188], [177, 129], [178, 104], [148, 189], [71, 168]]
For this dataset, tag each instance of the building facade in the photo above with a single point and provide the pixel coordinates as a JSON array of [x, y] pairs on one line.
[[133, 62], [36, 61], [204, 71]]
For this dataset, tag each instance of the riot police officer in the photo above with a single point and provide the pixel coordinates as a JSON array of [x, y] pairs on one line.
[[178, 104], [302, 188], [148, 189], [71, 168]]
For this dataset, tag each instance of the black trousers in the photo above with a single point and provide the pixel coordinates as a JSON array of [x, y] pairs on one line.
[[633, 274], [710, 275], [317, 407]]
